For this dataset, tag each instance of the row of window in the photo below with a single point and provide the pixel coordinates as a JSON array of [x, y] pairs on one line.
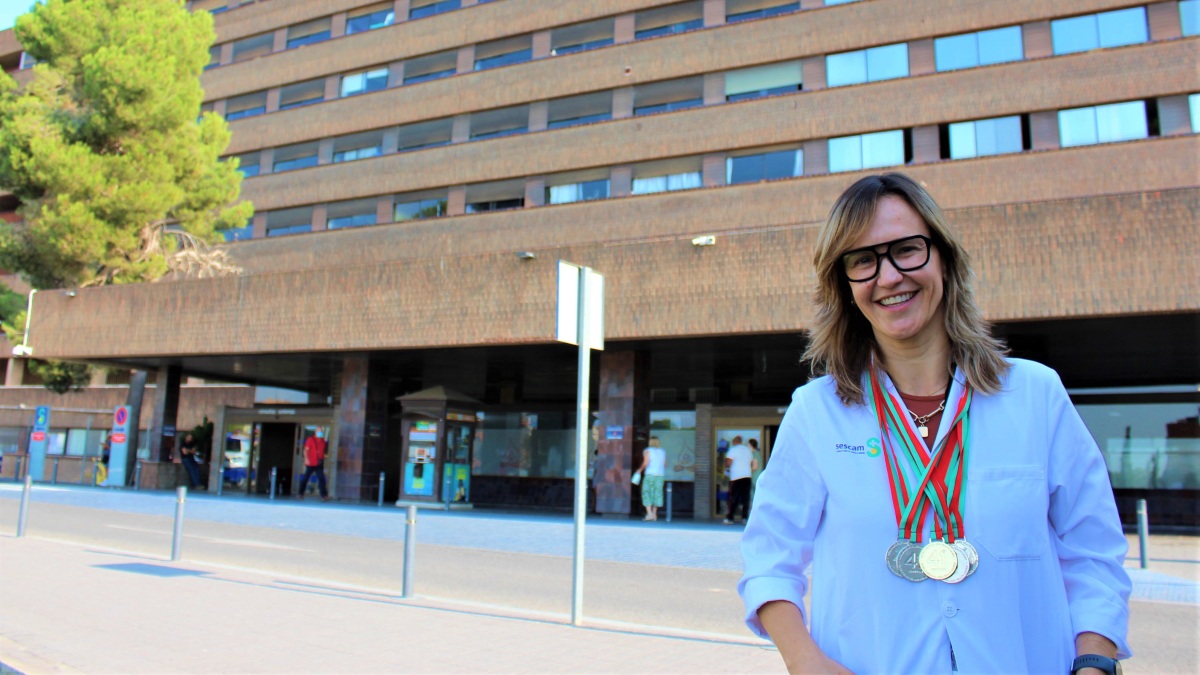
[[873, 64], [1089, 125]]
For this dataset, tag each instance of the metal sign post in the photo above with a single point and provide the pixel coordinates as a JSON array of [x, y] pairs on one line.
[[582, 310], [118, 449], [38, 440]]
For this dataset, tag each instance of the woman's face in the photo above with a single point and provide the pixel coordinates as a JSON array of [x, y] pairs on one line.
[[903, 308]]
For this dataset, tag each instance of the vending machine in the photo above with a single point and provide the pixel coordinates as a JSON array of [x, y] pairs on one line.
[[437, 446]]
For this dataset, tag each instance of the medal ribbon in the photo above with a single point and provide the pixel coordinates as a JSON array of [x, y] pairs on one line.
[[939, 478]]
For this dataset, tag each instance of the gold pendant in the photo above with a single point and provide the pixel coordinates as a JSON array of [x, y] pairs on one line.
[[924, 430]]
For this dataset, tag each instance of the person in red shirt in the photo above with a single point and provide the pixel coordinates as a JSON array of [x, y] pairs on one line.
[[314, 463]]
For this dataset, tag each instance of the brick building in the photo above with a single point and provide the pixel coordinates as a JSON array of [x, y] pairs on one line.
[[418, 168]]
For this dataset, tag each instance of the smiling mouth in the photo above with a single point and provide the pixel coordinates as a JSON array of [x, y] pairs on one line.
[[896, 299]]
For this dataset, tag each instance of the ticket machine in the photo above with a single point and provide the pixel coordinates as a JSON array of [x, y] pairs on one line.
[[437, 445]]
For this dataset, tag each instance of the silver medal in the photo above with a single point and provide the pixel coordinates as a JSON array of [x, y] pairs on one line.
[[971, 553], [893, 556], [964, 566], [908, 561]]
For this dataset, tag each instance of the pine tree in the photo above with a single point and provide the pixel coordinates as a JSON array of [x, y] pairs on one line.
[[106, 146]]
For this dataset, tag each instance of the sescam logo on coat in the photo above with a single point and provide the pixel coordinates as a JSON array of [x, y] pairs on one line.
[[871, 448]]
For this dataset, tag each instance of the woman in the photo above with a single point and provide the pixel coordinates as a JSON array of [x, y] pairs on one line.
[[956, 511], [654, 470]]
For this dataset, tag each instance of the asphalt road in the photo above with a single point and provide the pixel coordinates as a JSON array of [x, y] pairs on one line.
[[676, 576]]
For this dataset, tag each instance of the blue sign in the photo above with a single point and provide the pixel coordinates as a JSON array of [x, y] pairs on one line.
[[38, 440], [118, 447]]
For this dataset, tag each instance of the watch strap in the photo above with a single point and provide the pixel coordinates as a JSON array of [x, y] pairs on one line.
[[1108, 665]]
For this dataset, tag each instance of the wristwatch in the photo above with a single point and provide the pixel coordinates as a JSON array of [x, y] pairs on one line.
[[1110, 666]]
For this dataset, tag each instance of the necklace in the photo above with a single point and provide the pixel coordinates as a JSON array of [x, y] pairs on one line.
[[921, 426]]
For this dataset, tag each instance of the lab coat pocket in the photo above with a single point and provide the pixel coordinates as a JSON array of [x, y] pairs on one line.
[[1009, 511]]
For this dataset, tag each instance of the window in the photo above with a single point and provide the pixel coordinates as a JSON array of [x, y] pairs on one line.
[[246, 106], [744, 10], [248, 164], [289, 221], [666, 96], [214, 57], [496, 205], [26, 62], [577, 192], [419, 9], [576, 110], [769, 80], [358, 146], [361, 83], [308, 33], [253, 47], [503, 52], [425, 134], [1194, 105], [501, 122], [304, 93], [369, 18], [1103, 124], [1189, 16], [581, 37], [996, 136], [667, 183], [239, 233], [668, 20], [508, 194], [868, 151], [295, 157], [764, 166], [431, 67], [867, 65], [1094, 31], [838, 2], [420, 206], [356, 213], [979, 49]]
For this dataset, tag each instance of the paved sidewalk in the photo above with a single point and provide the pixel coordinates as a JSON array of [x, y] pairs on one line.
[[83, 609]]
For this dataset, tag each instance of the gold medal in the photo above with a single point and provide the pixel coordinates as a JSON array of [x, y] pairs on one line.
[[938, 560]]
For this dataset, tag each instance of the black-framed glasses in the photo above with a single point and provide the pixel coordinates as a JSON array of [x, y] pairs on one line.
[[907, 254]]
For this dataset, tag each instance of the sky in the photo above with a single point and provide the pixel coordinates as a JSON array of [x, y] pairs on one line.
[[10, 10]]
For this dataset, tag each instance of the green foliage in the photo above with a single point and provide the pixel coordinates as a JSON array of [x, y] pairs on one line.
[[60, 376], [106, 145], [12, 314], [203, 433]]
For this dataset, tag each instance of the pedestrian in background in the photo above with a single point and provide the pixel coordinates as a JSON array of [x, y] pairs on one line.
[[740, 462], [314, 463], [956, 512], [654, 471], [187, 457]]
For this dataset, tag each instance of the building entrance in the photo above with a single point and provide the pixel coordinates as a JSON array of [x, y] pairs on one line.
[[756, 428], [259, 440]]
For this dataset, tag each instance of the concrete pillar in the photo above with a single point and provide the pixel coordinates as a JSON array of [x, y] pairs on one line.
[[400, 10], [535, 192], [714, 13], [391, 141], [812, 69], [166, 411], [333, 87], [624, 428], [266, 161], [622, 103], [395, 74], [816, 157], [1037, 39], [280, 42], [226, 54], [14, 375], [325, 151], [624, 28], [260, 226], [273, 99], [456, 200], [337, 25], [620, 181], [361, 428], [540, 48], [703, 497], [99, 377], [920, 57], [1174, 115], [712, 170], [460, 129], [384, 210], [539, 116], [927, 145], [320, 217], [811, 4], [1043, 126], [714, 88], [221, 107], [1165, 22], [466, 59]]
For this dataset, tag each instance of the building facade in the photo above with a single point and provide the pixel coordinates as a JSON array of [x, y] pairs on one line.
[[418, 168]]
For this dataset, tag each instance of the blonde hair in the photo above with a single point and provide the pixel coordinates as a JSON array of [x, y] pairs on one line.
[[841, 339]]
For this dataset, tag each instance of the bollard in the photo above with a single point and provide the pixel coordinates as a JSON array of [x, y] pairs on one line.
[[17, 471], [410, 549], [24, 514], [1143, 530], [54, 472], [381, 477], [83, 472], [177, 539], [137, 476], [669, 495], [273, 476]]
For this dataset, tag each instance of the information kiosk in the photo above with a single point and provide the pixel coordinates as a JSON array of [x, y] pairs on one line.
[[437, 429]]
